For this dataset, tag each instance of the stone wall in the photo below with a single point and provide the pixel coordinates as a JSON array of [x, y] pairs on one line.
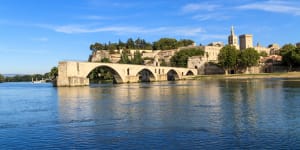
[[211, 68], [278, 68]]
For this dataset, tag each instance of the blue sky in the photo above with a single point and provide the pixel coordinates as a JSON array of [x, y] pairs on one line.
[[36, 34]]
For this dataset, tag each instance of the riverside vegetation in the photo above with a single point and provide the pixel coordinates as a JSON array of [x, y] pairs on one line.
[[27, 78]]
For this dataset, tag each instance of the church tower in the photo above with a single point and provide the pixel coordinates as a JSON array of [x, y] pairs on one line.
[[232, 38]]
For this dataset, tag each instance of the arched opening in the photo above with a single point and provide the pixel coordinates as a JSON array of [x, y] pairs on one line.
[[172, 75], [104, 74], [189, 73], [232, 71], [146, 75]]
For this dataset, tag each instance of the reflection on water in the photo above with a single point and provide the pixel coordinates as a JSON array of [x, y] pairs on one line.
[[216, 114]]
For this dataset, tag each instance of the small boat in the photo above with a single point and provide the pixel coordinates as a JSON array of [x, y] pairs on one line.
[[38, 81]]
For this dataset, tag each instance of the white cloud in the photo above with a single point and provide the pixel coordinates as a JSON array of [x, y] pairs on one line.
[[210, 16], [182, 31], [204, 37], [25, 51], [99, 4], [193, 7], [93, 17], [274, 6], [76, 29], [40, 39]]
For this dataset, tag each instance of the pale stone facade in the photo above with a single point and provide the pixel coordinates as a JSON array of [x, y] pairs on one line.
[[97, 56], [274, 59], [166, 55], [246, 41], [151, 54], [219, 44], [132, 51], [260, 49], [196, 62], [211, 53], [274, 49], [114, 58]]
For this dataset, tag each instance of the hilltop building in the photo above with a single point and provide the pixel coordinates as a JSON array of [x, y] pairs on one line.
[[260, 49], [274, 49], [232, 39], [246, 41], [212, 50]]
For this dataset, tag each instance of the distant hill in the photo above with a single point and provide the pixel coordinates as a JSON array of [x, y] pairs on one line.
[[12, 75]]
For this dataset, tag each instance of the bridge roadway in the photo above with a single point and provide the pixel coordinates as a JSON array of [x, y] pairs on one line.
[[75, 73]]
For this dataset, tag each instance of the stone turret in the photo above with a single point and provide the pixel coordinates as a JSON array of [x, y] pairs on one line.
[[232, 38]]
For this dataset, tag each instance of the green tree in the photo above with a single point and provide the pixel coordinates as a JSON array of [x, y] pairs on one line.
[[163, 63], [180, 58], [138, 43], [124, 57], [121, 45], [290, 55], [100, 74], [53, 73], [2, 79], [228, 58], [263, 54], [185, 42], [105, 47], [112, 47], [23, 78], [166, 44], [137, 59], [148, 46], [96, 46], [130, 44], [46, 75], [248, 58], [105, 60]]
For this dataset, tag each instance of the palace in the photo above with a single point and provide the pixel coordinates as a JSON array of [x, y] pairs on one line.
[[201, 63]]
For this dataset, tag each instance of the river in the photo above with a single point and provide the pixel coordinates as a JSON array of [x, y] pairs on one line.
[[208, 114]]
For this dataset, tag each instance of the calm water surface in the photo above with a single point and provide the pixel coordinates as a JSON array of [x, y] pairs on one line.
[[219, 114]]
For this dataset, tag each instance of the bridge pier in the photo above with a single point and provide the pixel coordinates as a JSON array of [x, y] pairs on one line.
[[162, 77], [72, 81], [132, 79]]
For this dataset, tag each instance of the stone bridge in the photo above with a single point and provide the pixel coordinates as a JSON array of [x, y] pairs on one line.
[[73, 73]]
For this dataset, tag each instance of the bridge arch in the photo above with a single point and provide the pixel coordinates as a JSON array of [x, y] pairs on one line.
[[189, 73], [172, 75], [146, 75], [117, 76]]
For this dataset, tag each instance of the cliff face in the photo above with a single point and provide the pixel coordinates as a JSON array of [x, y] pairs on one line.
[[97, 56]]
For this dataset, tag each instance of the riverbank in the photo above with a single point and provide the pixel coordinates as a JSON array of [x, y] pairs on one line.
[[247, 76]]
